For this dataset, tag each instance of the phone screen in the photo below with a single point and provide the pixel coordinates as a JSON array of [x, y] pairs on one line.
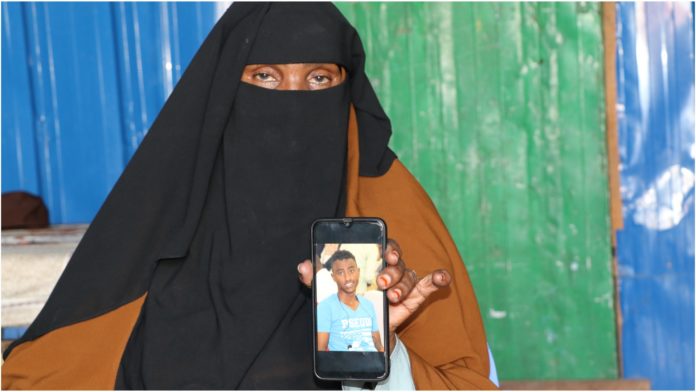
[[350, 311]]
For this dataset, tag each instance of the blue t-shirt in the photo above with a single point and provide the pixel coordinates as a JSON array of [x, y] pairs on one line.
[[349, 330]]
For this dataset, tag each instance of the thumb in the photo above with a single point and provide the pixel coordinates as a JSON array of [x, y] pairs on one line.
[[305, 272]]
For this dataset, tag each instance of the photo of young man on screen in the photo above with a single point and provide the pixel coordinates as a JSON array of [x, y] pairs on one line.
[[346, 321]]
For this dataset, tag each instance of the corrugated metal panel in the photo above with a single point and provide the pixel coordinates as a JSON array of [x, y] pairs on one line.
[[655, 65], [82, 83], [19, 170], [498, 110]]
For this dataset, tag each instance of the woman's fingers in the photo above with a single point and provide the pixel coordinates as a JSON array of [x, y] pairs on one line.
[[395, 266], [397, 280], [393, 253], [433, 282], [394, 271], [426, 286], [391, 275], [404, 287], [423, 287], [441, 278], [409, 304], [304, 269]]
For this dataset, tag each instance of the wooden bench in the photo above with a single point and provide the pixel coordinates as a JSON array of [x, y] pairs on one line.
[[576, 385]]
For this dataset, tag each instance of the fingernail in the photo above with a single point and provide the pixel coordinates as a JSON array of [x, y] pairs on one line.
[[299, 266], [397, 294], [385, 280]]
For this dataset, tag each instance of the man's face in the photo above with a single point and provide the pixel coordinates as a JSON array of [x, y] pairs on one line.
[[346, 274]]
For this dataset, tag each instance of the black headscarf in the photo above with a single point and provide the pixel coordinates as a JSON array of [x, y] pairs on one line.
[[212, 213]]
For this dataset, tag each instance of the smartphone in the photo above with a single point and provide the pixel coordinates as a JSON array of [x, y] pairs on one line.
[[351, 314]]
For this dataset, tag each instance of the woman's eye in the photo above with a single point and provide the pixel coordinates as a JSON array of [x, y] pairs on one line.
[[320, 79], [263, 77]]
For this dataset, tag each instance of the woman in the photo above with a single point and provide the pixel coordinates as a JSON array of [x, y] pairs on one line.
[[186, 277]]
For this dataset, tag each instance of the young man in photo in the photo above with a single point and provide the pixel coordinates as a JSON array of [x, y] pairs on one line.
[[346, 321]]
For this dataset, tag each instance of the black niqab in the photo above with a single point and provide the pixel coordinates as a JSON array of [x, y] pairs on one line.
[[231, 313], [213, 212]]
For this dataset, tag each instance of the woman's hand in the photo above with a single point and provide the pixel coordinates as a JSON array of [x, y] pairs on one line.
[[404, 290]]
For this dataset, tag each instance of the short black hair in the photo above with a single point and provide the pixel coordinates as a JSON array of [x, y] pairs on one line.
[[338, 255]]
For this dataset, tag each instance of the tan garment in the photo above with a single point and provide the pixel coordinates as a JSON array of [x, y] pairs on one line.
[[84, 355], [445, 338]]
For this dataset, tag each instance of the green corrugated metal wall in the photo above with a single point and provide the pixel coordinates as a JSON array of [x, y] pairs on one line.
[[498, 109]]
